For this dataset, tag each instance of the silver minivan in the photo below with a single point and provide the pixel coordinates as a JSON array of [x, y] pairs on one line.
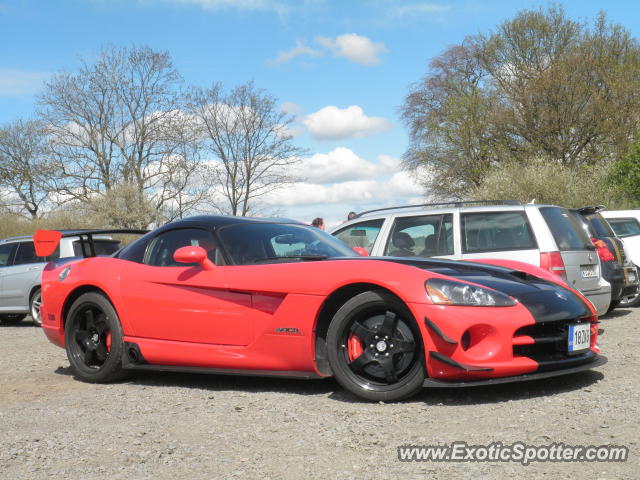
[[547, 236], [21, 269]]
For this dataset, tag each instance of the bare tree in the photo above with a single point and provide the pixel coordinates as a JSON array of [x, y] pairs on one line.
[[118, 121], [23, 167], [250, 140]]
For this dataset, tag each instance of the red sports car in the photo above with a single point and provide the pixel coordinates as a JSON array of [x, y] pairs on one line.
[[276, 297]]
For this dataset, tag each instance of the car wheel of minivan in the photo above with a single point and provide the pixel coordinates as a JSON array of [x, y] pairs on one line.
[[34, 307], [630, 302]]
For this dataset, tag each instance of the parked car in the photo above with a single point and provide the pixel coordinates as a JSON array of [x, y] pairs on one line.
[[242, 295], [617, 269], [547, 236], [626, 225], [21, 268]]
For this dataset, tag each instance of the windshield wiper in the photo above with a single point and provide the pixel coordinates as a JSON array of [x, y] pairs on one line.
[[301, 257]]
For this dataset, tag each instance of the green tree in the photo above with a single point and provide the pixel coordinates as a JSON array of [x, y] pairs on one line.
[[625, 178], [540, 86]]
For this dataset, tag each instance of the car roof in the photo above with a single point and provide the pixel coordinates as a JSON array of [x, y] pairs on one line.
[[435, 208], [217, 221], [20, 238]]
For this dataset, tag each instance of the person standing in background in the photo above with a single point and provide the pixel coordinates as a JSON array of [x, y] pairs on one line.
[[318, 222]]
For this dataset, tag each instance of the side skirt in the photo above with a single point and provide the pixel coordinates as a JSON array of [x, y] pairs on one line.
[[224, 371]]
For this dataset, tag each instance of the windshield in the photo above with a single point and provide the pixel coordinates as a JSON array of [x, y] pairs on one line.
[[252, 243]]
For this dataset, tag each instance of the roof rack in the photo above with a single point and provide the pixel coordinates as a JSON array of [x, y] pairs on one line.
[[17, 237], [470, 203]]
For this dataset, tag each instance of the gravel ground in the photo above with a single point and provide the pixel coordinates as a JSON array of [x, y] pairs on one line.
[[167, 425]]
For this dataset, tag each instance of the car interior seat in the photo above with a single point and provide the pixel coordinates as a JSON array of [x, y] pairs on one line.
[[403, 244], [430, 246]]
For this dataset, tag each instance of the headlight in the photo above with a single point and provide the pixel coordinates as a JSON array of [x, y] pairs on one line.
[[446, 292]]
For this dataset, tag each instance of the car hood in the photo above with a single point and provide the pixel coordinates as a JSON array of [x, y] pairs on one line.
[[547, 301]]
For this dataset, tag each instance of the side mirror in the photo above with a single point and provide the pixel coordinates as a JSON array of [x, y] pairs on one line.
[[191, 254], [361, 251]]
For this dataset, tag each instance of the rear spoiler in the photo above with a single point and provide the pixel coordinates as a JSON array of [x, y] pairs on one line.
[[46, 241]]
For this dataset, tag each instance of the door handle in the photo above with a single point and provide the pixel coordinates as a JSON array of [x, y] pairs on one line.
[[34, 268]]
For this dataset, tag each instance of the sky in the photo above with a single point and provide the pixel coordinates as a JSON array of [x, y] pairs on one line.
[[342, 68]]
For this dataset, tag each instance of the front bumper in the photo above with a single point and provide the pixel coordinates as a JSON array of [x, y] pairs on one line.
[[469, 344], [597, 361]]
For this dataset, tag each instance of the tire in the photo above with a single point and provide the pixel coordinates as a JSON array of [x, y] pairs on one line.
[[375, 348], [94, 340], [35, 302], [10, 318], [630, 302]]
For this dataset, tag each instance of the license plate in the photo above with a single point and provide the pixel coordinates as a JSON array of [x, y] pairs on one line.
[[579, 337], [588, 272]]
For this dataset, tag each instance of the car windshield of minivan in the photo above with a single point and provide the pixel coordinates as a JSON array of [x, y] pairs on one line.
[[566, 228]]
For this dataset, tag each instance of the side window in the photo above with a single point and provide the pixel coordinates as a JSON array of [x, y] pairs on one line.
[[423, 236], [495, 231], [6, 251], [625, 227], [161, 249], [27, 254], [362, 234]]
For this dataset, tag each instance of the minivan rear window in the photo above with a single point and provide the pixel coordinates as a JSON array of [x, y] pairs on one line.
[[600, 225], [625, 227], [496, 231], [566, 229]]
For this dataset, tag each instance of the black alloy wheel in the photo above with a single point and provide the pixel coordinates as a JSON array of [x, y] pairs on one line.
[[375, 348], [93, 339]]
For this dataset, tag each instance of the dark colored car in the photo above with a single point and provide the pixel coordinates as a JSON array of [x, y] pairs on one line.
[[616, 268]]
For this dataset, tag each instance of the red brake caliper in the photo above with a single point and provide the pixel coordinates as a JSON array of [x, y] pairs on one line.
[[354, 347], [108, 340]]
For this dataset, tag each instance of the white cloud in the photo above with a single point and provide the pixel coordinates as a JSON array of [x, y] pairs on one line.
[[21, 82], [333, 123], [291, 108], [356, 48], [298, 50], [339, 165], [341, 181]]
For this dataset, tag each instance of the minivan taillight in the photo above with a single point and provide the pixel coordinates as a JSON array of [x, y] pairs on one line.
[[552, 262], [603, 251]]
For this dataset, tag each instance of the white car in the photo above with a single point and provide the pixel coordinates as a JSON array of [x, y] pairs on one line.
[[547, 236], [626, 225]]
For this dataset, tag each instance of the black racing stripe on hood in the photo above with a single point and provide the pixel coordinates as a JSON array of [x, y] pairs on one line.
[[545, 300]]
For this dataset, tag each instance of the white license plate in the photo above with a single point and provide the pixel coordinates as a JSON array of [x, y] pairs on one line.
[[587, 272], [579, 336]]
